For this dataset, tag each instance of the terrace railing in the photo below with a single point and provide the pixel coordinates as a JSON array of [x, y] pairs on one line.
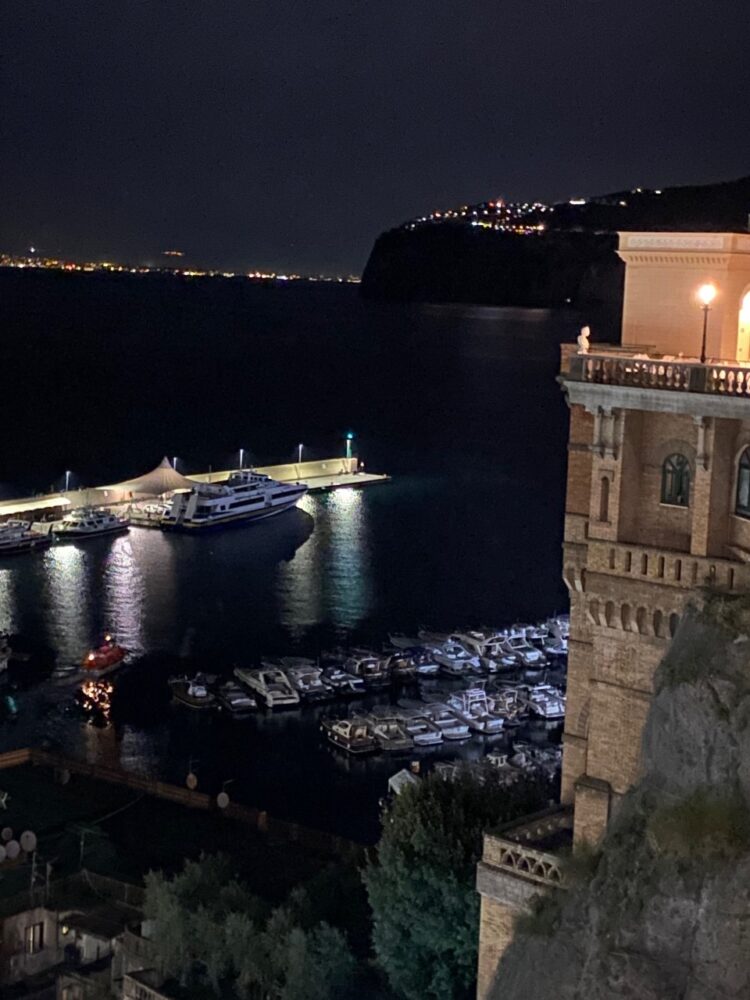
[[642, 371]]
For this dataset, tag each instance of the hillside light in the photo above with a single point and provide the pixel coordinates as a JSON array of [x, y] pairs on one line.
[[706, 295]]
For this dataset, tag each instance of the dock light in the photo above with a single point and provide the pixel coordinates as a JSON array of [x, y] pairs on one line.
[[174, 463], [67, 480], [706, 295], [299, 454], [349, 439], [242, 457]]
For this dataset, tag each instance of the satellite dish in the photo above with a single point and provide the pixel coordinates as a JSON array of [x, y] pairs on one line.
[[2, 854], [222, 800], [191, 781], [7, 834], [12, 849], [28, 841]]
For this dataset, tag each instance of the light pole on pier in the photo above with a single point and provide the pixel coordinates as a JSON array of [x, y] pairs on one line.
[[349, 439], [299, 454], [242, 457], [174, 463], [67, 480]]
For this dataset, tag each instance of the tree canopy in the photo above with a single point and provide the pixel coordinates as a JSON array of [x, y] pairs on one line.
[[421, 884]]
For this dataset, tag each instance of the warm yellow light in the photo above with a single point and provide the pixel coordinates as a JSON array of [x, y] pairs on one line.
[[707, 293]]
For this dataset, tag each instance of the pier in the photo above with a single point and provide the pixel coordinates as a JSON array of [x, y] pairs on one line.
[[321, 475]]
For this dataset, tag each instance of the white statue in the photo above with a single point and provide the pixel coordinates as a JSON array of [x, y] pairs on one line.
[[583, 340]]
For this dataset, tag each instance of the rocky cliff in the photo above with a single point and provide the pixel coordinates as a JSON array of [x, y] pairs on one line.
[[663, 910], [572, 261]]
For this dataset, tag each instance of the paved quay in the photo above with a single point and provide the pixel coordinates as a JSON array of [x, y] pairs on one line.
[[320, 475]]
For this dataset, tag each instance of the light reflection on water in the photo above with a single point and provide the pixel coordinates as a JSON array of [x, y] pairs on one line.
[[124, 595], [329, 578], [69, 600], [8, 607]]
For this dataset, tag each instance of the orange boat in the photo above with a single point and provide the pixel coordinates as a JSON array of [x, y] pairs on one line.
[[106, 658]]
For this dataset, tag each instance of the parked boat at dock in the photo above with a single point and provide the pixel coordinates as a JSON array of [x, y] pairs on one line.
[[389, 731], [546, 702], [17, 537], [105, 659], [270, 685], [306, 678], [236, 701], [89, 522], [246, 496], [194, 692], [368, 666], [342, 683], [448, 722], [473, 707], [353, 735]]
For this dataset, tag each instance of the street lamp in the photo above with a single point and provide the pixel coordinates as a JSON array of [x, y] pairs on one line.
[[67, 480], [299, 454], [706, 295], [174, 463], [242, 457], [349, 439]]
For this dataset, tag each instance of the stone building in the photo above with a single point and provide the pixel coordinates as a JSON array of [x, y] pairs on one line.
[[658, 504]]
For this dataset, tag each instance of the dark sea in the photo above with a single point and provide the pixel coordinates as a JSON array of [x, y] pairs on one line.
[[104, 376]]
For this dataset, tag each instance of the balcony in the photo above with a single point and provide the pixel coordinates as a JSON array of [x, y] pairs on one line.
[[621, 367]]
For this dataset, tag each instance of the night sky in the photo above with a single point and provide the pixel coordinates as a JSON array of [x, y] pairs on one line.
[[289, 134]]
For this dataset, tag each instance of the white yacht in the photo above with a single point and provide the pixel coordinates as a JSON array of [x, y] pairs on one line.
[[18, 536], [527, 655], [88, 522], [245, 496], [369, 666], [305, 676], [271, 685], [455, 659], [547, 702], [473, 708], [447, 722]]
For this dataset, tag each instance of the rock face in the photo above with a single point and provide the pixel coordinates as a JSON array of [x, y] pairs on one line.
[[663, 911]]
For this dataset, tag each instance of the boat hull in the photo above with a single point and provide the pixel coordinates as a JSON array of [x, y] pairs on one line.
[[25, 545], [230, 520], [77, 536]]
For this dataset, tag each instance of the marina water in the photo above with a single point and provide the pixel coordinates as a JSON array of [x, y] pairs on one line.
[[459, 404]]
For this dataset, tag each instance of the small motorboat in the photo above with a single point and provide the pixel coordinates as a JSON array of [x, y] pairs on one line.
[[306, 678], [236, 701], [344, 684], [422, 729], [105, 659], [353, 735], [389, 732], [89, 522], [19, 536], [473, 708], [193, 692], [449, 724], [270, 685], [372, 668]]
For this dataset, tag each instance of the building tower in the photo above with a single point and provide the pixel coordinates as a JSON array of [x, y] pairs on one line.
[[658, 504]]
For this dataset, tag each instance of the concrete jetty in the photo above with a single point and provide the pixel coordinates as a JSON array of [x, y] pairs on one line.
[[320, 475]]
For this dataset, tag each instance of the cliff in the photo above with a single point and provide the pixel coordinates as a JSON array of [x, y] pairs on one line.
[[663, 911], [455, 258]]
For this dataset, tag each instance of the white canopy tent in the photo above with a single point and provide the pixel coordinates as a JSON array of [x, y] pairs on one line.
[[163, 479]]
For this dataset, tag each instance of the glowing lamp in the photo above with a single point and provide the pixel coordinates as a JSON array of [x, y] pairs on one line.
[[91, 657], [706, 294]]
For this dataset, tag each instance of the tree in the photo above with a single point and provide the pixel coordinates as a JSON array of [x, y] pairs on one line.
[[421, 884], [209, 929]]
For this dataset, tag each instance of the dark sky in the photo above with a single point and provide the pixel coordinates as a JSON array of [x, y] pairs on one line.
[[288, 134]]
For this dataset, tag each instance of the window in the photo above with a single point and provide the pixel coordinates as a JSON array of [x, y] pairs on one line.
[[742, 506], [604, 500], [33, 938], [675, 481]]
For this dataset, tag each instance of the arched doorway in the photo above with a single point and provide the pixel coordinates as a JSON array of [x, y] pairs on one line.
[[743, 329]]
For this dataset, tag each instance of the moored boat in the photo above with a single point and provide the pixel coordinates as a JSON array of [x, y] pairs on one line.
[[270, 685], [245, 497], [194, 692], [17, 537], [473, 708], [89, 522], [236, 701], [104, 659], [353, 735]]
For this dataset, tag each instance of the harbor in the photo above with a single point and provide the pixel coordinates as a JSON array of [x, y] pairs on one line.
[[144, 500]]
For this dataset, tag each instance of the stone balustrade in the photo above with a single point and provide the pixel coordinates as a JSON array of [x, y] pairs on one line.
[[666, 566], [642, 371], [526, 862]]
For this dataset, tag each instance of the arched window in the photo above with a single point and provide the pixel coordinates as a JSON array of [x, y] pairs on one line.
[[675, 481], [604, 500], [742, 506]]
